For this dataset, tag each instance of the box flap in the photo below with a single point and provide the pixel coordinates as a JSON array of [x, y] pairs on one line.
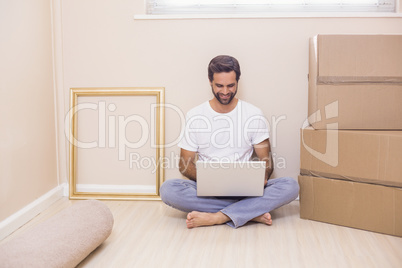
[[359, 59]]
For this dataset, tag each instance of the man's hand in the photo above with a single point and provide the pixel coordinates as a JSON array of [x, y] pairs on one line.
[[263, 152], [186, 164]]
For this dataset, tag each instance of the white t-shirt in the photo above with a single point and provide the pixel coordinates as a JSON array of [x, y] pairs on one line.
[[224, 136]]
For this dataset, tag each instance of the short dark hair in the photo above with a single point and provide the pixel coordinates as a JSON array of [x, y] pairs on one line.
[[223, 64]]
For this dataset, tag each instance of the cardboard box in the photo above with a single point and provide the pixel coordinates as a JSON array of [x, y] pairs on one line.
[[355, 82], [360, 156], [359, 205]]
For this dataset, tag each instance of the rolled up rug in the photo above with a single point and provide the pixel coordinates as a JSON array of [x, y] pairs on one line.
[[63, 240]]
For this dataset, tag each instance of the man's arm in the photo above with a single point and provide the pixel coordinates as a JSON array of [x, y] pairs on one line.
[[263, 152], [186, 164]]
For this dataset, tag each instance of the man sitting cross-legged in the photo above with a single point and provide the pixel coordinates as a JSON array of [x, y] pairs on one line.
[[217, 122]]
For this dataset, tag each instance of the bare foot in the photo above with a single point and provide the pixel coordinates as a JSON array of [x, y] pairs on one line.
[[197, 219], [264, 218]]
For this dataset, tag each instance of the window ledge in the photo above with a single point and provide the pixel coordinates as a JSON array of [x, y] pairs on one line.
[[269, 15]]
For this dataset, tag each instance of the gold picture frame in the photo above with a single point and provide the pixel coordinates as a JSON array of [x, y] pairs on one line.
[[158, 120]]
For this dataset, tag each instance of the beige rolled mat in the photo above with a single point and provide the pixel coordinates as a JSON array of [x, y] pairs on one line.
[[63, 240]]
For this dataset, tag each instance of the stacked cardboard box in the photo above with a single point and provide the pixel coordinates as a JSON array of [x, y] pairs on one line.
[[351, 157]]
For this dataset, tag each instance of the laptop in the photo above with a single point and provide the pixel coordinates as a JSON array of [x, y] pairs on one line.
[[230, 179]]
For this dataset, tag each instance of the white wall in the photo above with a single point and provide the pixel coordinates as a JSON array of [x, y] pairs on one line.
[[104, 47], [28, 166], [98, 44]]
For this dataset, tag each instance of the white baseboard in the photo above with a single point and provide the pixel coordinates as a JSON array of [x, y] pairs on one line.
[[66, 189], [18, 219]]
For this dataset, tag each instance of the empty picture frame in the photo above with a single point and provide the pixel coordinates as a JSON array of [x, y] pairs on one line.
[[116, 140]]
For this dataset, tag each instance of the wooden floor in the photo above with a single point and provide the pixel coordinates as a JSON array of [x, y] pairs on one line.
[[150, 234]]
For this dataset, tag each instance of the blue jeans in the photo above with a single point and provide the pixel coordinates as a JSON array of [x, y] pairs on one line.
[[181, 194]]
